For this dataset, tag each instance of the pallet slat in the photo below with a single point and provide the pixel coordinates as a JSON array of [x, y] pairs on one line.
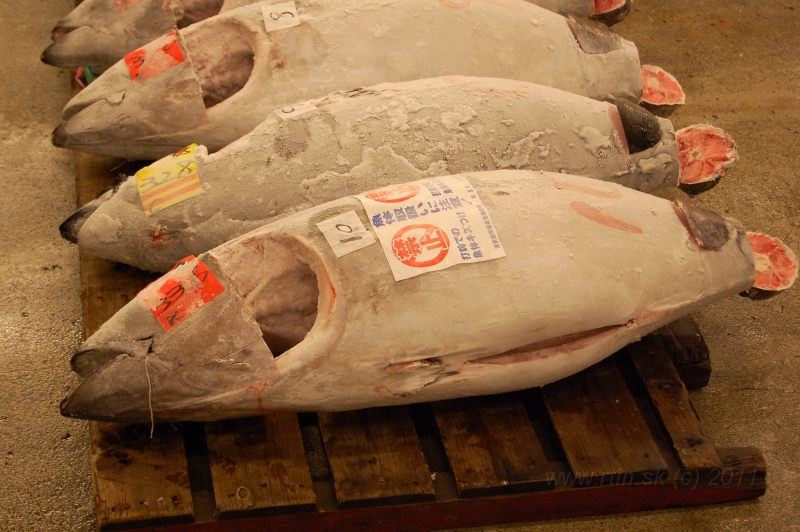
[[374, 454], [137, 478], [688, 351], [670, 398], [600, 427], [258, 464], [491, 445]]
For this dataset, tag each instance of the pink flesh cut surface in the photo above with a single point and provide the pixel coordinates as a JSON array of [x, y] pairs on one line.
[[704, 153], [776, 264], [659, 87], [606, 6]]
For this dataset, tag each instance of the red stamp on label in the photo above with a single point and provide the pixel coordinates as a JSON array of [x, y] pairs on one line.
[[420, 245], [181, 292], [126, 4], [393, 194], [154, 58]]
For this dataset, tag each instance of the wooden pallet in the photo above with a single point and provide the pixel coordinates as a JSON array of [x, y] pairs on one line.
[[619, 437]]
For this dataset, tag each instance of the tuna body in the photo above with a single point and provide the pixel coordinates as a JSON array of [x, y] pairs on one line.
[[347, 143], [218, 79], [589, 267], [98, 33]]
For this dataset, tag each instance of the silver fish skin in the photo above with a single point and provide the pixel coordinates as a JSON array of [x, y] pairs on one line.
[[98, 33], [234, 73], [590, 267], [350, 142]]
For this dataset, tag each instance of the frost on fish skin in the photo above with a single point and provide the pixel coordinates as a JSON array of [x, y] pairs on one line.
[[244, 73], [346, 143], [351, 337]]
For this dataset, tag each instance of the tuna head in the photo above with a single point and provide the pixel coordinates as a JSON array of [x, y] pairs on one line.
[[98, 33], [275, 320], [159, 91]]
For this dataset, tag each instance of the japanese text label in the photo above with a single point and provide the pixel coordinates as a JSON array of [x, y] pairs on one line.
[[430, 225]]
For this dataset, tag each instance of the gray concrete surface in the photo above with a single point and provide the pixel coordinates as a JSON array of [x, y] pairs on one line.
[[738, 61]]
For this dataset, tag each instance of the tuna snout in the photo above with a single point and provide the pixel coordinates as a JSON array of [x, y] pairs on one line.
[[70, 227]]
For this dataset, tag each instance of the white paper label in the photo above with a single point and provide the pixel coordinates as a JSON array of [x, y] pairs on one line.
[[345, 233], [290, 111], [280, 16], [430, 225]]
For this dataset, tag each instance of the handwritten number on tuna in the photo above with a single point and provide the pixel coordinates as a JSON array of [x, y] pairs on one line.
[[173, 296], [277, 16], [154, 181], [344, 228], [170, 298]]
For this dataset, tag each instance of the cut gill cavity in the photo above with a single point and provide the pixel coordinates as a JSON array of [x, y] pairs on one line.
[[223, 61]]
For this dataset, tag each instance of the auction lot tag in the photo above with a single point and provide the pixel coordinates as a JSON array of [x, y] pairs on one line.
[[181, 292], [154, 58], [280, 16], [345, 233], [168, 181], [430, 225]]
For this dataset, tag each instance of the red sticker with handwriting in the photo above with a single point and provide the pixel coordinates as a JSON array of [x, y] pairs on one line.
[[181, 292], [154, 58]]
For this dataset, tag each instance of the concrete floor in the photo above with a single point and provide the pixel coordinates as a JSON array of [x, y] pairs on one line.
[[738, 62]]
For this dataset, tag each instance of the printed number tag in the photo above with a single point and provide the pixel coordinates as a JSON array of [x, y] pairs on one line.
[[430, 225], [181, 292], [168, 181], [154, 58], [280, 16], [293, 110], [345, 233], [124, 5]]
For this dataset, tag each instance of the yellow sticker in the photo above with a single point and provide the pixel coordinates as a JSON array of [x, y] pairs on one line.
[[168, 181]]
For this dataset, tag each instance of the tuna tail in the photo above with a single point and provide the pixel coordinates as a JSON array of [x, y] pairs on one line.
[[705, 153], [776, 266]]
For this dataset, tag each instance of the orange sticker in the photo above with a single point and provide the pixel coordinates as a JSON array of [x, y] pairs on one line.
[[181, 292], [123, 5], [154, 58], [420, 245], [393, 194]]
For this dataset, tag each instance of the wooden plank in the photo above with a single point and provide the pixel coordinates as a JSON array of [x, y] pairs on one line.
[[603, 434], [491, 445], [259, 463], [134, 478], [138, 479], [525, 507], [688, 351], [670, 398], [375, 455]]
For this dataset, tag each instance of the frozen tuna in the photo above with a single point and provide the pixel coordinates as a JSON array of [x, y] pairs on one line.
[[218, 79], [98, 33], [291, 317], [317, 151]]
